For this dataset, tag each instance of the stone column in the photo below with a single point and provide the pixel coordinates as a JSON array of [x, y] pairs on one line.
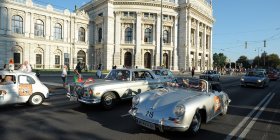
[[138, 40], [64, 31], [8, 19], [47, 28], [158, 40], [31, 25], [189, 45], [175, 44], [210, 57], [116, 60], [27, 25], [1, 19], [197, 47], [51, 29], [204, 48]]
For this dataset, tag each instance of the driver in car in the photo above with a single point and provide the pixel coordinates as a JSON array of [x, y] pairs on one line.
[[7, 80]]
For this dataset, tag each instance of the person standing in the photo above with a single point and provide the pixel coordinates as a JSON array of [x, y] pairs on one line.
[[78, 67], [99, 71], [193, 71], [64, 75]]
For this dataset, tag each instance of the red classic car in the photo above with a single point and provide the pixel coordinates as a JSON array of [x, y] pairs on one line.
[[272, 75]]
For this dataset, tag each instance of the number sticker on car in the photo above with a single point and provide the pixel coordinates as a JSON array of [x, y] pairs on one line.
[[150, 114]]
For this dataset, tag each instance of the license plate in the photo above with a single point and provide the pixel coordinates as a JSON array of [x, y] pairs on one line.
[[146, 124]]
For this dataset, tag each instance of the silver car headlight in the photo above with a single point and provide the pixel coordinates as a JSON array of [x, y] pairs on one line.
[[259, 81], [135, 100], [242, 79], [179, 110]]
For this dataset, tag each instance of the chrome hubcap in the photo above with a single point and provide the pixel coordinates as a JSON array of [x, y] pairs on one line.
[[108, 100], [37, 99]]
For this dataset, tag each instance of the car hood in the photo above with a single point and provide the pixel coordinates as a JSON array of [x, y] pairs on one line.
[[163, 98], [252, 78], [102, 83]]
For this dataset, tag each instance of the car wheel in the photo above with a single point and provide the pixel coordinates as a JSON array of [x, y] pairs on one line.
[[195, 124], [36, 99], [108, 100]]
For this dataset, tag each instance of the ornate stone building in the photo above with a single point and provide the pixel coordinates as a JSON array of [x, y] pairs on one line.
[[43, 35], [127, 33], [108, 32]]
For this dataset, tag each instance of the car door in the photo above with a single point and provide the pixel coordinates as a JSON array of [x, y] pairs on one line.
[[8, 92], [140, 82], [25, 89], [216, 99]]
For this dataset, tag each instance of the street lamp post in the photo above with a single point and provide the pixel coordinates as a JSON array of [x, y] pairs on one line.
[[160, 51]]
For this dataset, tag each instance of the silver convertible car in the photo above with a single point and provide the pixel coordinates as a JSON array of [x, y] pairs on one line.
[[180, 106], [118, 84]]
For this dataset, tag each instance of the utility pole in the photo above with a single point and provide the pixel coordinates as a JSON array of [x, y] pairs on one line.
[[264, 45], [245, 44], [160, 50]]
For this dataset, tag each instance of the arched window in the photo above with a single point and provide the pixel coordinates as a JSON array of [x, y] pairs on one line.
[[17, 24], [147, 60], [58, 31], [99, 35], [165, 36], [82, 34], [128, 59], [148, 35], [128, 35], [39, 28], [165, 60]]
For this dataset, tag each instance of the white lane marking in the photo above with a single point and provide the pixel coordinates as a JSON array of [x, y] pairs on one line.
[[253, 121], [242, 123], [125, 115]]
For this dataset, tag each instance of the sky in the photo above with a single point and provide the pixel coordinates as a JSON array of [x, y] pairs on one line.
[[236, 21]]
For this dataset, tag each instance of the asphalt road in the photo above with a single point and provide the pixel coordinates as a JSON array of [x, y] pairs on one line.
[[254, 114]]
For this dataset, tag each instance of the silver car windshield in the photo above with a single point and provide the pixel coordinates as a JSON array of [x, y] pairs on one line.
[[188, 84], [255, 73], [123, 75]]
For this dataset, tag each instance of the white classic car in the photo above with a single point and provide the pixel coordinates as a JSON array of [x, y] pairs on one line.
[[21, 87], [179, 106], [118, 84], [165, 75]]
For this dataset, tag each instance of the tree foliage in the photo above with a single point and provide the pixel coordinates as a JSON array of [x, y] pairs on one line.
[[265, 61], [244, 61], [219, 60]]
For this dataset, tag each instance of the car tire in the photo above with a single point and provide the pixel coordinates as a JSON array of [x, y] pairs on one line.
[[36, 99], [195, 124], [108, 100]]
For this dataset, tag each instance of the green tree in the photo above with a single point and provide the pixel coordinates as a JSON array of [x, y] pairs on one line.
[[244, 61], [272, 60], [219, 60]]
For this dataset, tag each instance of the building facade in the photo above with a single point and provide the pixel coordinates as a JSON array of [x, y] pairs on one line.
[[127, 33], [108, 32], [43, 35]]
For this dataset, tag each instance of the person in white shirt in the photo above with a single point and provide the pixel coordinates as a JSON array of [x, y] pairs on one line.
[[25, 67], [64, 75]]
